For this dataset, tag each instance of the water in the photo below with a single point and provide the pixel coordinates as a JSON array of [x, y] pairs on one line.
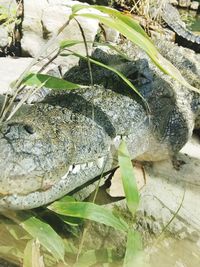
[[192, 20]]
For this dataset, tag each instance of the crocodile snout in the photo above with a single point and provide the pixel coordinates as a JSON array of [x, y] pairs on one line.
[[31, 159], [16, 130]]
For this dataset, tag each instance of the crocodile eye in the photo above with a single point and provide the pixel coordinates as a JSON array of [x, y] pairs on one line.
[[29, 129]]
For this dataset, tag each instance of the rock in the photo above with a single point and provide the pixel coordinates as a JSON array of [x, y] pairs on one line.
[[12, 68], [174, 2], [194, 5], [7, 8], [173, 188], [4, 37], [96, 2], [8, 4], [166, 34], [184, 3], [167, 191], [4, 263], [111, 35], [43, 19]]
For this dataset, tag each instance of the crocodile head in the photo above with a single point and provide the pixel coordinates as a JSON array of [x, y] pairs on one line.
[[34, 152], [39, 159]]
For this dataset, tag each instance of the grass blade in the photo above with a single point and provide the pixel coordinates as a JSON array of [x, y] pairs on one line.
[[118, 73], [134, 255], [94, 257], [48, 81], [69, 43], [133, 32], [90, 211], [128, 179], [40, 231], [46, 236], [32, 257], [121, 75]]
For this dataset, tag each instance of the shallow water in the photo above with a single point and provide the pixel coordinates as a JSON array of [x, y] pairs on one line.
[[175, 253], [192, 19]]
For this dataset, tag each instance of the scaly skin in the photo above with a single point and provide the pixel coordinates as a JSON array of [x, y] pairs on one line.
[[51, 148], [186, 60], [171, 16], [39, 144]]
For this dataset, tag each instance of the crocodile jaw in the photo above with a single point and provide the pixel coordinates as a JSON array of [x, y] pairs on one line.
[[75, 176], [31, 161]]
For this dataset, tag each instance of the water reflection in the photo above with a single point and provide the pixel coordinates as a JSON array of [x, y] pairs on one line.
[[192, 19], [177, 253]]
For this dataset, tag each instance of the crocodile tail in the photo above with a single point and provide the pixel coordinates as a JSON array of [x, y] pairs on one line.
[[186, 34], [171, 16]]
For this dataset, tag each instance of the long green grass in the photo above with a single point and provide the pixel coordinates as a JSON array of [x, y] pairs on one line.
[[26, 237]]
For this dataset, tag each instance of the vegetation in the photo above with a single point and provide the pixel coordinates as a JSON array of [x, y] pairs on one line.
[[22, 233], [7, 16], [29, 237], [9, 19]]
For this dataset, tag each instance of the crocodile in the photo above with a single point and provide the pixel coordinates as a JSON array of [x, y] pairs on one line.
[[185, 37], [170, 15], [53, 147]]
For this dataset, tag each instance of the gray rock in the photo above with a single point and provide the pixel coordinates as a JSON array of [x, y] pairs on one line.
[[168, 189], [174, 2], [111, 34], [194, 5], [12, 68], [4, 38], [7, 8], [184, 3], [166, 34], [43, 19], [8, 4]]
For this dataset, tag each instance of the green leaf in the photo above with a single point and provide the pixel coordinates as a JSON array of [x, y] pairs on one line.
[[67, 219], [39, 230], [78, 7], [11, 240], [3, 16], [69, 43], [134, 255], [67, 199], [89, 211], [118, 73], [27, 259], [136, 37], [126, 19], [46, 235], [70, 220], [32, 257], [36, 79], [128, 179], [113, 70], [92, 257], [120, 22], [133, 32]]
